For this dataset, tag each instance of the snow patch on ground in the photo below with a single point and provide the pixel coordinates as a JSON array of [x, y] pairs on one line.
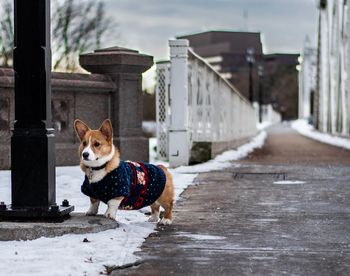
[[68, 255], [200, 237], [150, 127], [263, 125], [308, 130], [288, 182]]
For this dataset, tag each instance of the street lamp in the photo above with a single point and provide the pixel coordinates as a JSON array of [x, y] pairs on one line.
[[33, 189], [261, 75], [251, 60]]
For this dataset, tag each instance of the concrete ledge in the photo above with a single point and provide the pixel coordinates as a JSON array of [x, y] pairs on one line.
[[78, 223], [220, 147], [204, 151]]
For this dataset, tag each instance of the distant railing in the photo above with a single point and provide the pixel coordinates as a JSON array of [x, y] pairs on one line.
[[199, 113], [268, 114]]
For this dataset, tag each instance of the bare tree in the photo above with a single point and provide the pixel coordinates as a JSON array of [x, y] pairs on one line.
[[77, 26], [6, 33]]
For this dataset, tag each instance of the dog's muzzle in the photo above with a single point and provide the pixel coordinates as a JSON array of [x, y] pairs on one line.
[[85, 155]]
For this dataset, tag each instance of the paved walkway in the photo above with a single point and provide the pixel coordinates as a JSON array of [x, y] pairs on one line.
[[243, 221]]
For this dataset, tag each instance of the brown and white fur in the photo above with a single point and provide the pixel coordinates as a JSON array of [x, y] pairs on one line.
[[96, 149]]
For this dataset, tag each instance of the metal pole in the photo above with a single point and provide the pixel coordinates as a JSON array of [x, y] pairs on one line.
[[250, 59], [260, 74], [260, 103], [32, 141], [251, 92]]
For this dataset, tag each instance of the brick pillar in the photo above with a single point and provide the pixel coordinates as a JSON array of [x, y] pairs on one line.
[[125, 67]]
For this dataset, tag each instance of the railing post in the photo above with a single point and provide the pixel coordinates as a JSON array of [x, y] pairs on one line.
[[178, 130]]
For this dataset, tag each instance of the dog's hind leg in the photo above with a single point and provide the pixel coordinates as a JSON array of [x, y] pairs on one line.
[[168, 213], [154, 212]]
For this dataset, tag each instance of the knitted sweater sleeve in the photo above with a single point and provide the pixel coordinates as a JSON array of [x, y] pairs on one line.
[[85, 188]]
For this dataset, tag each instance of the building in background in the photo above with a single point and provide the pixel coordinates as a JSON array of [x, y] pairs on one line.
[[239, 57], [227, 52]]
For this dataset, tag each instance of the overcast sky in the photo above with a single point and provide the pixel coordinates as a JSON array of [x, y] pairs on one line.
[[146, 25]]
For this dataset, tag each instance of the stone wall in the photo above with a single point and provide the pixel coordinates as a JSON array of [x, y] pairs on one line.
[[91, 98]]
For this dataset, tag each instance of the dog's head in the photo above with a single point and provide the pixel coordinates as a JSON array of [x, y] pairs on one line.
[[96, 146]]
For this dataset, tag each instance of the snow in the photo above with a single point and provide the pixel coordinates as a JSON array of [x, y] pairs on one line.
[[288, 182], [263, 125], [68, 254], [307, 130], [200, 237], [150, 127]]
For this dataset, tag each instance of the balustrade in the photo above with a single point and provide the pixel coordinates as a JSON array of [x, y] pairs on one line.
[[199, 113]]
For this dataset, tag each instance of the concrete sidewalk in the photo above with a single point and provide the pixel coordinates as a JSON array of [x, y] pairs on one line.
[[254, 219]]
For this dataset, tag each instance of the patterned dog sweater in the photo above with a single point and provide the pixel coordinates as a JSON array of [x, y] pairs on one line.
[[141, 184]]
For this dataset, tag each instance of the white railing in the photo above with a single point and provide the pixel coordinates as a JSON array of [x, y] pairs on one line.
[[203, 107], [307, 80], [217, 111], [333, 96], [268, 114], [271, 115]]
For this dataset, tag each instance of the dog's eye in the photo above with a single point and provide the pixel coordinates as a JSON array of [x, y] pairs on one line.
[[84, 144], [96, 144]]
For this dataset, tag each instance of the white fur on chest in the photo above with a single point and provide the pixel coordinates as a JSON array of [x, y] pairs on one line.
[[95, 175]]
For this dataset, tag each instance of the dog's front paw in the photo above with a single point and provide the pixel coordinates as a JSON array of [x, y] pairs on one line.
[[165, 221], [110, 214], [91, 212]]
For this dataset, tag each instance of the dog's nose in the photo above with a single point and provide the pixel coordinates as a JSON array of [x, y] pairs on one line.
[[85, 155]]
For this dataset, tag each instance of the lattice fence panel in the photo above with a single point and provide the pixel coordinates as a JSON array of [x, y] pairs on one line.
[[163, 110]]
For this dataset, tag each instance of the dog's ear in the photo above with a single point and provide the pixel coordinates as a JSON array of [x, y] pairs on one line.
[[80, 129], [107, 129]]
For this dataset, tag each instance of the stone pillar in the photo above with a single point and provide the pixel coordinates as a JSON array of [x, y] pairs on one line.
[[125, 67], [179, 149]]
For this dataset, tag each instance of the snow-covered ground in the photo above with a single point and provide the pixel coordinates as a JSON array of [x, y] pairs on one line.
[[308, 130], [68, 254], [263, 125]]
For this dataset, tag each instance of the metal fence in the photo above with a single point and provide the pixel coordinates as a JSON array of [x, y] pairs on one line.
[[195, 104]]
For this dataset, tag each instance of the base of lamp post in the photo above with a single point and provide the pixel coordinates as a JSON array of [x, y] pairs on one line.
[[51, 213]]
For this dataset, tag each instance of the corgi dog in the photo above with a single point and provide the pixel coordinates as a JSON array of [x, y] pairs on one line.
[[120, 184]]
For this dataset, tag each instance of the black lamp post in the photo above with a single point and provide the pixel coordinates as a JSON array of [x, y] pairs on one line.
[[32, 142], [251, 60], [261, 75]]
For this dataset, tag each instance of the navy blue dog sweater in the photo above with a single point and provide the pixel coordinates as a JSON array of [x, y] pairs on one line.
[[141, 184]]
